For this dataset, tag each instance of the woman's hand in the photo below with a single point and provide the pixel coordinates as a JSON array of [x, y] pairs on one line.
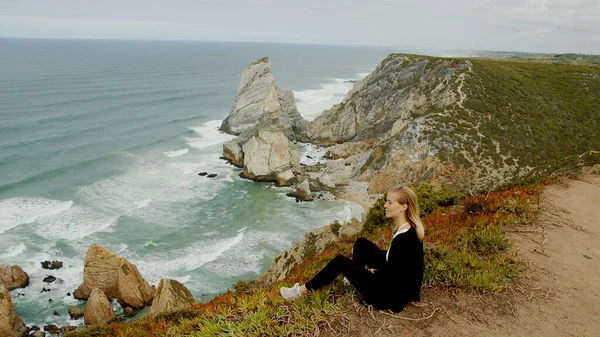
[[372, 270]]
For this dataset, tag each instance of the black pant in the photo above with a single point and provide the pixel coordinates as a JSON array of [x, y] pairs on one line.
[[364, 253]]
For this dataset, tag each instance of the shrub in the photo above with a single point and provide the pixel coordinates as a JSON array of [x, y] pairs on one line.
[[431, 198]]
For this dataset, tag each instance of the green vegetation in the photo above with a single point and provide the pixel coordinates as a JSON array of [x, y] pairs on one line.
[[570, 58], [541, 116], [431, 198], [335, 228]]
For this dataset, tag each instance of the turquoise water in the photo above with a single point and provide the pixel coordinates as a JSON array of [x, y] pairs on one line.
[[102, 141]]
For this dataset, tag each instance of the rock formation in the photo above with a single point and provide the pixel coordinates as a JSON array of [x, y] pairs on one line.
[[269, 153], [98, 309], [266, 120], [302, 191], [308, 247], [13, 277], [115, 276], [171, 296], [75, 312], [52, 264], [259, 100], [10, 324]]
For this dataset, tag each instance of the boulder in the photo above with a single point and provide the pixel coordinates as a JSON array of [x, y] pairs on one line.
[[133, 290], [52, 265], [49, 279], [37, 333], [232, 151], [302, 191], [98, 309], [115, 276], [75, 312], [267, 151], [338, 172], [13, 277], [52, 329], [284, 176], [171, 296], [10, 324]]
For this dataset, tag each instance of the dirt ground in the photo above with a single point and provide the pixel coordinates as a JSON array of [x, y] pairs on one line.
[[558, 293]]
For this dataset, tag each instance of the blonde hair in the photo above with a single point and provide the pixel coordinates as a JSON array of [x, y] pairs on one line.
[[405, 195]]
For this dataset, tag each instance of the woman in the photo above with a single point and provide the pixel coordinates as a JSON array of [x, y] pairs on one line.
[[394, 276]]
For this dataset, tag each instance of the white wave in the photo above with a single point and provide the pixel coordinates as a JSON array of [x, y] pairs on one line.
[[209, 135], [248, 256], [75, 223], [311, 154], [183, 279], [190, 168], [142, 203], [229, 176], [176, 153], [152, 244], [311, 102], [23, 210], [192, 257], [14, 251]]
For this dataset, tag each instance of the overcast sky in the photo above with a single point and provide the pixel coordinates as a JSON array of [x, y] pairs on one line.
[[550, 26]]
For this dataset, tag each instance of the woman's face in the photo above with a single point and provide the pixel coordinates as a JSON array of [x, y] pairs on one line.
[[392, 207]]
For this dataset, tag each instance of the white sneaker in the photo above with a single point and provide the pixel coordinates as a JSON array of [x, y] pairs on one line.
[[290, 293]]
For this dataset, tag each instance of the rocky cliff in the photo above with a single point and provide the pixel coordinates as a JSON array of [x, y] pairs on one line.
[[477, 123], [474, 124]]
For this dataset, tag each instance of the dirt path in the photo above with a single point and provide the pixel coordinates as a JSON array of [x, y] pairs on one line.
[[558, 295]]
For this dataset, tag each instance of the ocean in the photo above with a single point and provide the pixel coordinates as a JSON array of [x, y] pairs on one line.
[[102, 142]]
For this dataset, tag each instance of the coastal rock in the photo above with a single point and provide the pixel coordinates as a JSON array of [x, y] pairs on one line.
[[49, 279], [13, 277], [253, 95], [309, 246], [380, 123], [10, 324], [75, 312], [338, 172], [320, 181], [284, 177], [171, 296], [346, 150], [37, 333], [133, 290], [115, 276], [302, 191], [260, 103], [266, 152], [232, 151], [52, 265], [52, 329], [98, 309]]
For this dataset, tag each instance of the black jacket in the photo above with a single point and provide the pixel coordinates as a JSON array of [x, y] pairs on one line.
[[402, 275]]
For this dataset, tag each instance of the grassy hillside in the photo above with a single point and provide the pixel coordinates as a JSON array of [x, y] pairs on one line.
[[529, 116], [465, 248]]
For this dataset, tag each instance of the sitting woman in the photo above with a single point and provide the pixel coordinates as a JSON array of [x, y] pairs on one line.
[[394, 276]]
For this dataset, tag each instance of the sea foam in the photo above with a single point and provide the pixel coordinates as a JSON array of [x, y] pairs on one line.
[[176, 153], [209, 135], [311, 102], [23, 210]]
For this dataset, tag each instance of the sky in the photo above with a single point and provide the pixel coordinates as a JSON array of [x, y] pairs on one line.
[[540, 26]]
